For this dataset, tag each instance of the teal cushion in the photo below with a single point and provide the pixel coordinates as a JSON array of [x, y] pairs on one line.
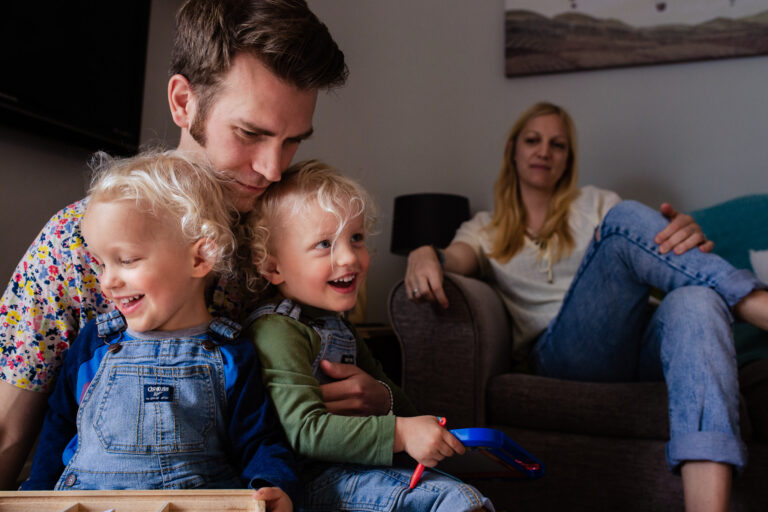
[[736, 226]]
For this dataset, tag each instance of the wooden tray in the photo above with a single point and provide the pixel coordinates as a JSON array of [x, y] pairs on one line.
[[195, 500]]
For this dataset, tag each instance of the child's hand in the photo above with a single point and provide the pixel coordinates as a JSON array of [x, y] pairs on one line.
[[425, 440], [276, 499]]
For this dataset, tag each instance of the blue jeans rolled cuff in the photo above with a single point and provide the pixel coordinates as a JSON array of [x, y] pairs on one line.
[[708, 446]]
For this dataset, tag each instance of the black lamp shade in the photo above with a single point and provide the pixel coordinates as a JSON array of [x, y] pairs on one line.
[[422, 219]]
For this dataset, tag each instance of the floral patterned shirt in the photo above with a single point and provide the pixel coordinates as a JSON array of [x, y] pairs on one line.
[[53, 292]]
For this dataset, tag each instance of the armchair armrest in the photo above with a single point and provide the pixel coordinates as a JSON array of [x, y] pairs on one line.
[[450, 354]]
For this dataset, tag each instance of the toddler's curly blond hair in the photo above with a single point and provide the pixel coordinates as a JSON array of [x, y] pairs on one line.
[[302, 186], [174, 186]]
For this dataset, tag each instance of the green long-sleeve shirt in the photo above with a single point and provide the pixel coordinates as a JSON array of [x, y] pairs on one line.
[[287, 349]]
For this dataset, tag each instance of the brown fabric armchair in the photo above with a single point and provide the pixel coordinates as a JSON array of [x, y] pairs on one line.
[[603, 443]]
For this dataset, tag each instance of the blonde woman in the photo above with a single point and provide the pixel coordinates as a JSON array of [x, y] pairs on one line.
[[575, 266]]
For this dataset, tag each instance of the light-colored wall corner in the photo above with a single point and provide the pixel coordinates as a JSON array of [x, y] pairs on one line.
[[427, 109], [41, 175]]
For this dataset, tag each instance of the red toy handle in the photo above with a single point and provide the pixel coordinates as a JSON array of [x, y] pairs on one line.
[[420, 468]]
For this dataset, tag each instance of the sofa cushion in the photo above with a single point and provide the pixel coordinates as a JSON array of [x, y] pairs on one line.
[[616, 409], [736, 226], [631, 410], [589, 473]]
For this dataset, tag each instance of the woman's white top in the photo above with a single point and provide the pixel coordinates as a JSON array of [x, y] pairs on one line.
[[531, 287]]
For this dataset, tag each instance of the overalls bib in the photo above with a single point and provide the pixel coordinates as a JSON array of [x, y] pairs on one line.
[[338, 344], [153, 417]]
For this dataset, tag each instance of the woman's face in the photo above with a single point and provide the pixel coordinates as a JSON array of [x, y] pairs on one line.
[[541, 153]]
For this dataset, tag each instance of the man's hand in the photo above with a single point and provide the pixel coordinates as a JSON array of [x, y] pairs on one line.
[[681, 234], [275, 498], [355, 394]]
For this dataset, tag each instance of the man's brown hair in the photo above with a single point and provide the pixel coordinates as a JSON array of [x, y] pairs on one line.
[[283, 34]]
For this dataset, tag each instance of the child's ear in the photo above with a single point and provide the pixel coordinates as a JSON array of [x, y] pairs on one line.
[[201, 264], [271, 272]]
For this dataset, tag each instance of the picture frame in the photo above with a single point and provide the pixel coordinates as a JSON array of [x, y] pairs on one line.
[[555, 36]]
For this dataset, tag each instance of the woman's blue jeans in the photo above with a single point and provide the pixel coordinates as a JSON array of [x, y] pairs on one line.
[[606, 331]]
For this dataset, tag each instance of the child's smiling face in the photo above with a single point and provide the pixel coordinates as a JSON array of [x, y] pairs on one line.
[[148, 271], [313, 264]]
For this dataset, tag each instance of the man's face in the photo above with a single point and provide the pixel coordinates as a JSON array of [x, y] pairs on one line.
[[253, 128]]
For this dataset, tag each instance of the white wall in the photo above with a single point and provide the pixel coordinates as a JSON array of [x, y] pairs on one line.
[[427, 109]]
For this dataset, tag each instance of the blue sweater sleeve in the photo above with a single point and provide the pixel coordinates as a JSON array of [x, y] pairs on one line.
[[256, 436], [60, 425]]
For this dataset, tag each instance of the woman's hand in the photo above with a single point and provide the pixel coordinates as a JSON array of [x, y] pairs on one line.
[[424, 276], [681, 234], [425, 440], [275, 498]]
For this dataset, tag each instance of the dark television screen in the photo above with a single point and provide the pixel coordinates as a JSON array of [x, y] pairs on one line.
[[75, 70]]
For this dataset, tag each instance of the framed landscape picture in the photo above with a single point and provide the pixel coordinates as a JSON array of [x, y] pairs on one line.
[[552, 36]]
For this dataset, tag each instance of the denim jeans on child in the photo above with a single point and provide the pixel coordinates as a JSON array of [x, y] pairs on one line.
[[606, 331], [351, 487]]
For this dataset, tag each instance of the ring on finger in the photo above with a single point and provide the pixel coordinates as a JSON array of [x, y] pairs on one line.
[[415, 292]]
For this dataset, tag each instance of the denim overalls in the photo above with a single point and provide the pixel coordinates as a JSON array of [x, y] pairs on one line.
[[338, 344], [153, 415], [332, 486]]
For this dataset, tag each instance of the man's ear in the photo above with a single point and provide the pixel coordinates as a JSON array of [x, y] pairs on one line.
[[181, 100], [201, 264], [270, 271]]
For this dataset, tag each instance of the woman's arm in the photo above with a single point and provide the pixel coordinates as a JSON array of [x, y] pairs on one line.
[[424, 275]]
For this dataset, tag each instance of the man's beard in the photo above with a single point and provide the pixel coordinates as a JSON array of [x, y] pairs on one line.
[[243, 201], [197, 128], [206, 99]]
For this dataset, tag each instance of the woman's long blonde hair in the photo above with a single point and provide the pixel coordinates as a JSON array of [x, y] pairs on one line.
[[509, 216]]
